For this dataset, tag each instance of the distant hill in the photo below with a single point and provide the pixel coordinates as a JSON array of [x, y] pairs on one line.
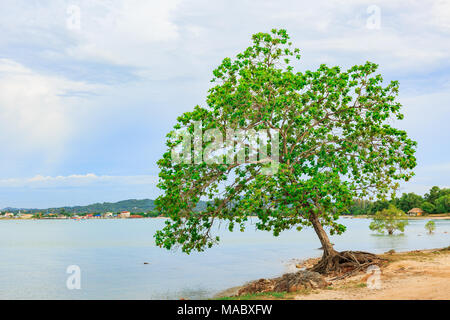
[[131, 205]]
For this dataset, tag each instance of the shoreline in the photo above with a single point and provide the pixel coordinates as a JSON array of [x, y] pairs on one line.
[[443, 216], [46, 219], [437, 216], [406, 275]]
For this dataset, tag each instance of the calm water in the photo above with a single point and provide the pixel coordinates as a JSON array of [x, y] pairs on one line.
[[34, 256]]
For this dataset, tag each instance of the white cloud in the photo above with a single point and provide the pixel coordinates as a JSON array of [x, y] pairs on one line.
[[159, 36], [123, 32], [171, 47], [34, 114], [440, 11], [426, 121], [427, 114]]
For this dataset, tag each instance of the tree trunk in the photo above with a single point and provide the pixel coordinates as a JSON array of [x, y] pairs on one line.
[[323, 237], [334, 261]]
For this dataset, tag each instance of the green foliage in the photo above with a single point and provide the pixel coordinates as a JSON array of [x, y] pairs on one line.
[[336, 144], [260, 296], [132, 205], [428, 207], [430, 226], [389, 220], [359, 207], [367, 207], [435, 193], [378, 206], [151, 214], [443, 204], [125, 205], [63, 212], [408, 201]]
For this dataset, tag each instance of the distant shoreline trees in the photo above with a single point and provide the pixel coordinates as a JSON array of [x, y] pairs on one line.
[[437, 200]]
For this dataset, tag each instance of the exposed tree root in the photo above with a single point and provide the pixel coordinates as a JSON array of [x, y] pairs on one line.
[[345, 263], [289, 282]]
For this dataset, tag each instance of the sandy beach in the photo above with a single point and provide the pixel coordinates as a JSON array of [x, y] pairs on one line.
[[412, 275], [415, 275]]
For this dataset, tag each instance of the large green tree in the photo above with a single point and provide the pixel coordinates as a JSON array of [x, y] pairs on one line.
[[336, 143]]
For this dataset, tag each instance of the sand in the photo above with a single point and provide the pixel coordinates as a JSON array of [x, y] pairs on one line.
[[416, 275]]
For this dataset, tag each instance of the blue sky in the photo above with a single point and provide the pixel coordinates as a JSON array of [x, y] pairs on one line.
[[85, 103]]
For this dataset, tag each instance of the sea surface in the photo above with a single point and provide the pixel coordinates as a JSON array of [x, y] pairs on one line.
[[111, 256]]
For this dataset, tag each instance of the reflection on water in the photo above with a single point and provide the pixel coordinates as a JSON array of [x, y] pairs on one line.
[[392, 241], [111, 255]]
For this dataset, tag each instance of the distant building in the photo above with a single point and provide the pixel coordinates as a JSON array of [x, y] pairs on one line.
[[415, 212], [136, 216], [125, 214], [109, 215], [9, 215]]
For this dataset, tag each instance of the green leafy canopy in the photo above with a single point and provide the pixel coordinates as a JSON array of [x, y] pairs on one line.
[[389, 220], [430, 226], [336, 143]]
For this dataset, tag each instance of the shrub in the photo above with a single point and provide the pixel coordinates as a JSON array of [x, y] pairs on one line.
[[389, 220], [430, 226]]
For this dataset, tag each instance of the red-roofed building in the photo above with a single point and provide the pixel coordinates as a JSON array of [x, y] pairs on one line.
[[125, 214]]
